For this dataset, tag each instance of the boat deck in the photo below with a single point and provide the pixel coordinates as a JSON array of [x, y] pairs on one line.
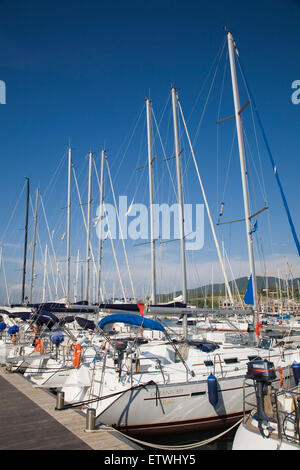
[[29, 421]]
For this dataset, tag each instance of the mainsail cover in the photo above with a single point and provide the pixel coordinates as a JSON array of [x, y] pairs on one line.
[[131, 319]]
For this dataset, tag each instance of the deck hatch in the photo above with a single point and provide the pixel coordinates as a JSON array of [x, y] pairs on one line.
[[196, 394]]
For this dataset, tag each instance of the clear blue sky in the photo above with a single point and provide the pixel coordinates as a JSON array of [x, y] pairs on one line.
[[80, 71]]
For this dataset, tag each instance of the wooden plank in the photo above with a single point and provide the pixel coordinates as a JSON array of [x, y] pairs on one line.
[[26, 426], [29, 421]]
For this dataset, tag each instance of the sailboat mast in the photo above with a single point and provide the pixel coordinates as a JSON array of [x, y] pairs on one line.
[[88, 224], [101, 210], [76, 278], [34, 241], [180, 203], [151, 196], [68, 225], [180, 196], [239, 127], [45, 274], [25, 243]]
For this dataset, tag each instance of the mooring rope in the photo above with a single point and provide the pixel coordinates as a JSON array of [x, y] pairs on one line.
[[95, 400], [176, 447]]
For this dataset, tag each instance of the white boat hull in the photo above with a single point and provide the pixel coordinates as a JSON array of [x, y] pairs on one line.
[[245, 439], [170, 408]]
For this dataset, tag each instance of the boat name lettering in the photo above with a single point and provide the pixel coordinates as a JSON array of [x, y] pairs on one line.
[[167, 392], [166, 402]]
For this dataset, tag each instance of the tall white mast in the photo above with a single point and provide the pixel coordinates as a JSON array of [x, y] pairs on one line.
[[25, 242], [180, 204], [76, 277], [101, 210], [34, 241], [239, 127], [45, 274], [68, 225], [151, 196], [212, 286], [180, 197], [88, 228]]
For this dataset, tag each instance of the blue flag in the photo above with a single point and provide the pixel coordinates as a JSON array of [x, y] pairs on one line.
[[255, 228]]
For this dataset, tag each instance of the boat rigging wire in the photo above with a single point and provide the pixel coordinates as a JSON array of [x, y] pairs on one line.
[[164, 152], [129, 142], [4, 274], [274, 166], [208, 210], [112, 243], [208, 95], [54, 253], [217, 128], [12, 214], [121, 232]]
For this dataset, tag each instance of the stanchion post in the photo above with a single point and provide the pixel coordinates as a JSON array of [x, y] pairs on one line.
[[90, 419], [60, 400]]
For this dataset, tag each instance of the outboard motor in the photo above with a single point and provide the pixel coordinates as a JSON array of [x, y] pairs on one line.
[[263, 373], [120, 347]]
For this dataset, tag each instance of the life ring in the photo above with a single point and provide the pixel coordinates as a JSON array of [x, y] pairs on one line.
[[39, 346], [77, 355]]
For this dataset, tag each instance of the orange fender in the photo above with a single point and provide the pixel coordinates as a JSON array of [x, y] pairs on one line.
[[77, 355], [258, 328], [39, 346], [282, 384]]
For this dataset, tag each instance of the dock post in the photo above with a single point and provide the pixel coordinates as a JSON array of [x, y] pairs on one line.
[[60, 400], [90, 419]]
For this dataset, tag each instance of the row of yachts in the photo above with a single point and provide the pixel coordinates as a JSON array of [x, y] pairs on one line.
[[143, 376]]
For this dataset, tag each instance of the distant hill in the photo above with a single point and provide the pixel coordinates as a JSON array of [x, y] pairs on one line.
[[240, 284]]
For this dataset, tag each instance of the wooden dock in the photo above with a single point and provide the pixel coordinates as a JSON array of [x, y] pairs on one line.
[[29, 421]]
